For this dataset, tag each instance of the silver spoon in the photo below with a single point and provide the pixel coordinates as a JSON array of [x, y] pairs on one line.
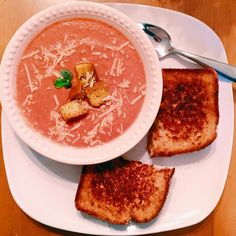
[[164, 46]]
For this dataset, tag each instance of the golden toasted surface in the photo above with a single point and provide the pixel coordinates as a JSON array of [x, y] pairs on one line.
[[120, 190], [97, 93], [86, 73], [188, 114], [73, 109]]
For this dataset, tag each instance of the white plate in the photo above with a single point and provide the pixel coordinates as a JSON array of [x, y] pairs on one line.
[[45, 189]]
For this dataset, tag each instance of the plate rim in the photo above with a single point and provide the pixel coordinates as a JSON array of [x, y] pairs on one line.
[[204, 216]]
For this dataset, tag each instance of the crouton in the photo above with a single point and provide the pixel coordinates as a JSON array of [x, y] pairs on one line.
[[86, 73], [97, 93], [73, 109]]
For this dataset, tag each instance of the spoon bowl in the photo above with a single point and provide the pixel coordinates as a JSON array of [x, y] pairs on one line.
[[160, 38], [163, 45]]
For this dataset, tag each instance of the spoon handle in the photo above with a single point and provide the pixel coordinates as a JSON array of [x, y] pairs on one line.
[[227, 70]]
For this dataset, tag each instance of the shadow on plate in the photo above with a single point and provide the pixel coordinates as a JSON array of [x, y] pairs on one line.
[[139, 153], [67, 172], [182, 62], [129, 227]]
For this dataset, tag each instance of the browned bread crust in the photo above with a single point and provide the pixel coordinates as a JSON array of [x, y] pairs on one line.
[[120, 190], [97, 93], [188, 115]]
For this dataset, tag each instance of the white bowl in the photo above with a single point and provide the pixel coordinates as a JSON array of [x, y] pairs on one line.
[[44, 145]]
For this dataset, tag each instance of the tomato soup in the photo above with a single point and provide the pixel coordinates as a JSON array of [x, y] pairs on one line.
[[62, 45]]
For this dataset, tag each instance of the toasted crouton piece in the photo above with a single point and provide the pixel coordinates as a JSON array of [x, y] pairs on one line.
[[76, 92], [97, 93], [73, 109], [118, 191], [188, 115], [86, 73]]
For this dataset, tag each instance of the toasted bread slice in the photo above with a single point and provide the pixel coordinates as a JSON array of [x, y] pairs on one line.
[[188, 116], [97, 93], [119, 191], [73, 109]]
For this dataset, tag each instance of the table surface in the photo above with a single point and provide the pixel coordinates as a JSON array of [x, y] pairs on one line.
[[220, 16]]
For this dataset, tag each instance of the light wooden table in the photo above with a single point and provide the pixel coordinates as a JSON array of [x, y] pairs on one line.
[[220, 15]]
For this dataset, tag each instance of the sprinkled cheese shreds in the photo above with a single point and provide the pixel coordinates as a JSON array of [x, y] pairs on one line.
[[111, 109], [142, 93], [91, 135], [117, 67], [136, 99], [30, 54], [29, 78], [65, 38], [28, 100], [76, 139], [53, 55], [57, 74], [59, 127], [142, 87], [116, 63], [104, 56], [118, 70], [106, 122], [77, 126], [56, 101], [120, 129], [96, 53], [37, 76], [124, 84], [122, 45]]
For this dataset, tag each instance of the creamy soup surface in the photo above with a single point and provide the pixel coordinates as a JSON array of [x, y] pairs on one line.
[[62, 45]]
